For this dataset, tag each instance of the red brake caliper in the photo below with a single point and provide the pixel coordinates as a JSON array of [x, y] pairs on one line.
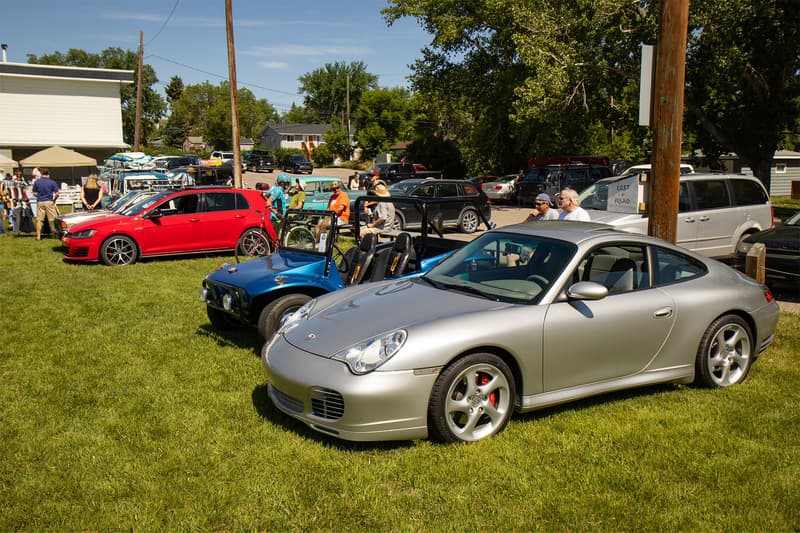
[[483, 379]]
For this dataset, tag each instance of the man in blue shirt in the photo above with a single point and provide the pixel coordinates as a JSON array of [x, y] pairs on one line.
[[46, 192], [276, 197]]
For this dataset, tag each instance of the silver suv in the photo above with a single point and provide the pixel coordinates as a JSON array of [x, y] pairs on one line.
[[715, 211]]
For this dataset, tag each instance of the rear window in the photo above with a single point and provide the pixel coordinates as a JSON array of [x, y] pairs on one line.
[[747, 192]]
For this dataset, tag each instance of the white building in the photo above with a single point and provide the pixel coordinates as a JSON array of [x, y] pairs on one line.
[[45, 105]]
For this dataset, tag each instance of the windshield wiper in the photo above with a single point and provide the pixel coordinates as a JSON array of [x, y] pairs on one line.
[[467, 288]]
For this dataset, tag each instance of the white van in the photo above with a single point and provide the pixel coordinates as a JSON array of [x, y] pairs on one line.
[[715, 211]]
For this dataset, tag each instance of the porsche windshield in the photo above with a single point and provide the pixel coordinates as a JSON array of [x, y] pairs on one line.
[[507, 267]]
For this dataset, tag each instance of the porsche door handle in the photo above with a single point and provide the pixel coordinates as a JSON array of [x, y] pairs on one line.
[[664, 312]]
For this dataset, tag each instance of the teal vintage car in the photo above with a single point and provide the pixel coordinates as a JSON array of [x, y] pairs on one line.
[[318, 191]]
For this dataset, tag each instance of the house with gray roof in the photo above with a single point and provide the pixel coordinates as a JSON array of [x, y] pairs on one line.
[[293, 135]]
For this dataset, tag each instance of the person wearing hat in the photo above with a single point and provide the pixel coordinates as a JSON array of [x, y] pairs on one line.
[[384, 213], [187, 179], [297, 195], [541, 209]]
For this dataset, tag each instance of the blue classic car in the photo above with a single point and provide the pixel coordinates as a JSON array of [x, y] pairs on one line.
[[317, 256]]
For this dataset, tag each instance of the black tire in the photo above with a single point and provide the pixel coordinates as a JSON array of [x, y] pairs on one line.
[[253, 243], [271, 316], [725, 353], [220, 319], [469, 221], [472, 399], [119, 250]]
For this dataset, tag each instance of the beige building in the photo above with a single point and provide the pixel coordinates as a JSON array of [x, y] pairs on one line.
[[45, 105]]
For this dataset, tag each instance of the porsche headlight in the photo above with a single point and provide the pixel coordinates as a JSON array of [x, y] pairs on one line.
[[85, 234], [366, 356], [290, 321]]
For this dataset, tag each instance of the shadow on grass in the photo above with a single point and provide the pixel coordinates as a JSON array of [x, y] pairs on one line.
[[267, 410], [601, 399], [243, 337]]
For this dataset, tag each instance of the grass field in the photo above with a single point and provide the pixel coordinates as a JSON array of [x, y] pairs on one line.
[[121, 409]]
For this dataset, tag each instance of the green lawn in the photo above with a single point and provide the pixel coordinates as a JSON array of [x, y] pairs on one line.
[[121, 409]]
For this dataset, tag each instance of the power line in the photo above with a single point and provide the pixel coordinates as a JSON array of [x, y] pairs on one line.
[[218, 75], [169, 17]]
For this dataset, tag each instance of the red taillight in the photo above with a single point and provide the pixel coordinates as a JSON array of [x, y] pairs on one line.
[[768, 296], [498, 187], [772, 215]]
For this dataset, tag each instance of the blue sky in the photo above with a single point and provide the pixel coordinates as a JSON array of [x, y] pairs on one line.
[[276, 42]]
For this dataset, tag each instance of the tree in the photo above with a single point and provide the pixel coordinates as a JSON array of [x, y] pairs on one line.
[[743, 72], [174, 89], [382, 118], [325, 89], [299, 115], [205, 109], [337, 141], [153, 105]]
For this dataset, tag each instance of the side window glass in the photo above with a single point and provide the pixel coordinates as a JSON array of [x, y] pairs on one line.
[[670, 266], [711, 194], [448, 189], [622, 268], [748, 192], [684, 202], [219, 201], [425, 191]]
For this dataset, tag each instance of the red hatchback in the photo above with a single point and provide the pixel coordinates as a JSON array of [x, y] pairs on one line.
[[194, 220]]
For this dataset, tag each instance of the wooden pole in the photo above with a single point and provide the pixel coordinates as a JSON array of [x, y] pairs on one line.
[[668, 119], [137, 128], [237, 154]]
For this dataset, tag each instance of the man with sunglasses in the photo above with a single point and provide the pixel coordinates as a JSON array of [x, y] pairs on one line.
[[541, 209]]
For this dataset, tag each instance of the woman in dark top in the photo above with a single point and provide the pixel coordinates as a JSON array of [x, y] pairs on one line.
[[91, 193]]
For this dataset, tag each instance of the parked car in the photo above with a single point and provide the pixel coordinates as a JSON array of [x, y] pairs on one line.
[[394, 172], [452, 353], [169, 162], [263, 291], [65, 221], [685, 168], [122, 182], [782, 264], [193, 220], [318, 191], [480, 180], [465, 215], [224, 157], [552, 179], [715, 211], [501, 189], [259, 160], [296, 163]]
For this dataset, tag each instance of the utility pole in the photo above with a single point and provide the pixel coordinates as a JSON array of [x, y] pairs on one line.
[[237, 154], [668, 119], [349, 134], [137, 128]]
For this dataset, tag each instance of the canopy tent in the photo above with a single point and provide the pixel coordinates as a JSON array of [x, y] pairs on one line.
[[56, 156], [7, 161]]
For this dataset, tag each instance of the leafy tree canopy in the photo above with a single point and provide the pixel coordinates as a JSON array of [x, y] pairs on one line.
[[325, 89]]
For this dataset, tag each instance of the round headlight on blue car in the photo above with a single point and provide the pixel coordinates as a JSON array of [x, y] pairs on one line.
[[368, 355]]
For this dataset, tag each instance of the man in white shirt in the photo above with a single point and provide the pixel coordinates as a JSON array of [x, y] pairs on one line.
[[570, 208]]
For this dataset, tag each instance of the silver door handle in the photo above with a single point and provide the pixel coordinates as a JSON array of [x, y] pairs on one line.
[[664, 312]]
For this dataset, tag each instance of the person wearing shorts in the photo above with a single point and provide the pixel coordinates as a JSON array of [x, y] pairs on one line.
[[46, 192]]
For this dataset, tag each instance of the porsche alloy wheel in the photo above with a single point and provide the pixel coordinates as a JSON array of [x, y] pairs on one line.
[[725, 353], [472, 399]]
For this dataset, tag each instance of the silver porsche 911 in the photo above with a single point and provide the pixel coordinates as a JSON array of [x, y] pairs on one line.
[[521, 318]]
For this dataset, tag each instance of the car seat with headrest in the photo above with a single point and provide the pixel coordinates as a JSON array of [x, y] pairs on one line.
[[360, 259], [622, 276]]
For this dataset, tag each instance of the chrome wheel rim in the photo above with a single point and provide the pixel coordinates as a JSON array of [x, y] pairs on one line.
[[478, 402], [728, 355], [254, 244], [120, 252], [469, 221]]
